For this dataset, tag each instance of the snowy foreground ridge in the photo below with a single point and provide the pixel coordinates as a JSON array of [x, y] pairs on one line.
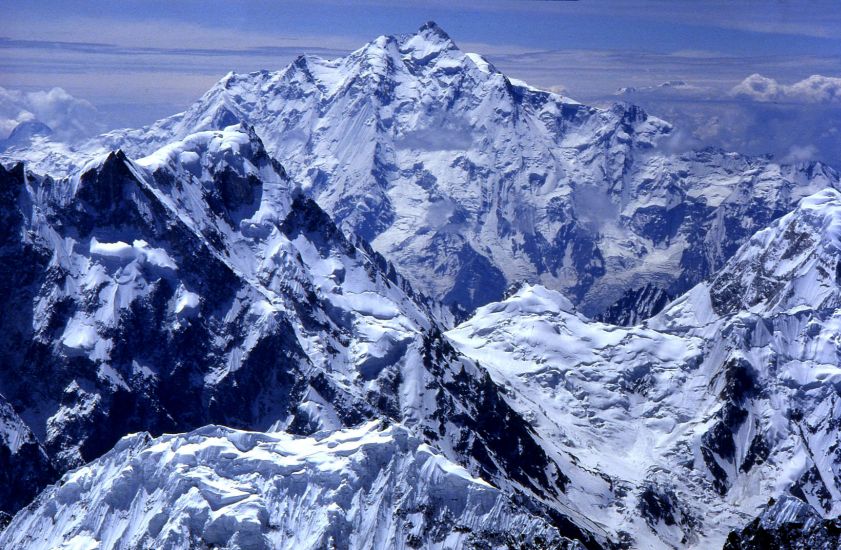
[[367, 487], [284, 319]]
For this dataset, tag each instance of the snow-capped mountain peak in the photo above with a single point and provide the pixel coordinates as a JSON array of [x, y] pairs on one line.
[[530, 299], [468, 180], [240, 264], [197, 285], [724, 399], [430, 42]]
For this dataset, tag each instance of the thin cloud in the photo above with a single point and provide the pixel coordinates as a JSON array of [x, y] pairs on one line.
[[795, 123], [814, 19], [137, 71], [98, 48], [127, 35]]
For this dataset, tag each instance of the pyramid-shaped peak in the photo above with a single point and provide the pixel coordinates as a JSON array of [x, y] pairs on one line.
[[431, 28], [428, 42]]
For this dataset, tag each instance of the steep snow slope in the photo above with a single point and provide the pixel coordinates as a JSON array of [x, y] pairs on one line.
[[602, 393], [723, 400], [468, 180], [198, 285], [771, 317], [368, 487]]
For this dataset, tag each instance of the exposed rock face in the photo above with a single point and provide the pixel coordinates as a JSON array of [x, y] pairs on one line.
[[199, 286], [636, 306], [176, 278], [24, 466], [787, 524]]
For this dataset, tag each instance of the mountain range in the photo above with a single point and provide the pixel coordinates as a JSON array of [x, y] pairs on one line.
[[469, 181], [398, 299]]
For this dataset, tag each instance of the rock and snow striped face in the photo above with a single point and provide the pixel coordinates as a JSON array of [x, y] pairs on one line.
[[201, 284], [198, 286]]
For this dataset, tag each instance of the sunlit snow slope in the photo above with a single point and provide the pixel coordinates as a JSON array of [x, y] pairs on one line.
[[368, 487], [199, 286], [725, 399], [190, 275]]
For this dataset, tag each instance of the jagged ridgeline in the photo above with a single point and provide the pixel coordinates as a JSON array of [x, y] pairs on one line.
[[468, 180], [280, 320], [725, 399], [199, 286]]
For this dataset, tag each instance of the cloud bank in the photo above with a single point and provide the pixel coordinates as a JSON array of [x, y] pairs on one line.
[[796, 122], [69, 117], [815, 89]]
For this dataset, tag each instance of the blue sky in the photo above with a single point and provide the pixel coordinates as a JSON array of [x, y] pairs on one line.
[[768, 27], [137, 61]]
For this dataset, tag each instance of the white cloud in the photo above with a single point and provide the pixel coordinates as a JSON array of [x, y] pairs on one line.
[[669, 88], [559, 89], [68, 116], [757, 87], [759, 115], [815, 89], [125, 36], [801, 154]]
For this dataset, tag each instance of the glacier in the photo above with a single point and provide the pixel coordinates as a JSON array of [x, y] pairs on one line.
[[705, 411], [198, 285]]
